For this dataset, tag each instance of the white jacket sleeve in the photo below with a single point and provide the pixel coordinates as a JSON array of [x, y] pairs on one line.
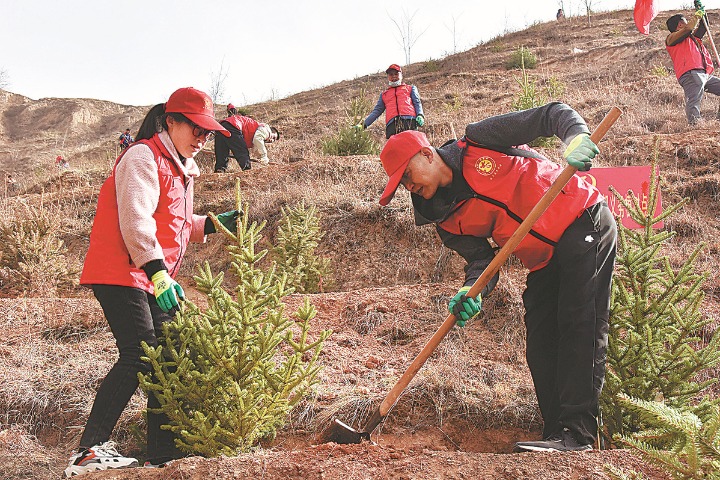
[[261, 134], [137, 189]]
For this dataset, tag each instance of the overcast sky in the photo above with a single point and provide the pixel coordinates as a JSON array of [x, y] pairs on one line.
[[137, 52]]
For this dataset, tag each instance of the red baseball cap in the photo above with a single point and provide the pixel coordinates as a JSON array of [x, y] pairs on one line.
[[196, 106], [230, 106], [395, 157], [394, 66]]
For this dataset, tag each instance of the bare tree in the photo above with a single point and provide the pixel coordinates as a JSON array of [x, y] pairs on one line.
[[407, 32], [217, 83], [588, 8], [452, 28], [4, 78]]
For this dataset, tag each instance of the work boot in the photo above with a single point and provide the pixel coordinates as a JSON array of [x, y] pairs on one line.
[[560, 442]]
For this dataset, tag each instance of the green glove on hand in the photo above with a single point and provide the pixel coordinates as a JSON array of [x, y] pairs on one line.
[[229, 220], [420, 120], [580, 152], [359, 126], [464, 307], [698, 5], [167, 291]]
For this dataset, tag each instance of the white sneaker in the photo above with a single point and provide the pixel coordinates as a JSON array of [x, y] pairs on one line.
[[102, 456]]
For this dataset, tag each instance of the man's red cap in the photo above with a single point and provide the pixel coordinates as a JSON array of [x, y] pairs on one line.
[[394, 66], [395, 157], [230, 106], [196, 106]]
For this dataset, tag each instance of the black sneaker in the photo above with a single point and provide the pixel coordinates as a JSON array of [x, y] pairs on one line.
[[562, 442]]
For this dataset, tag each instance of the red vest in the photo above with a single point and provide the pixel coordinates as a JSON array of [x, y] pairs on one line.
[[686, 56], [507, 188], [247, 125], [398, 102], [108, 261]]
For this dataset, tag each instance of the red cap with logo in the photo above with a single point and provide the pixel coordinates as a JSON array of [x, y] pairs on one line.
[[395, 67], [396, 156], [196, 106]]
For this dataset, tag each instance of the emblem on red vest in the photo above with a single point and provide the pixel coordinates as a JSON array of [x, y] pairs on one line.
[[486, 166]]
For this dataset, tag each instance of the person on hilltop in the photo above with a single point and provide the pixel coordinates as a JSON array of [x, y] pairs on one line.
[[245, 134], [401, 104], [125, 139], [142, 227], [560, 15], [482, 186], [61, 163], [691, 60]]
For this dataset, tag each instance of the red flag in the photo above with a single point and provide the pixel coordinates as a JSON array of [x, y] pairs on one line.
[[645, 11]]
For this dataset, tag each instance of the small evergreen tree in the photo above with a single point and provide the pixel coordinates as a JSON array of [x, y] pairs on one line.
[[682, 443], [33, 257], [655, 350], [351, 140], [298, 236], [227, 376]]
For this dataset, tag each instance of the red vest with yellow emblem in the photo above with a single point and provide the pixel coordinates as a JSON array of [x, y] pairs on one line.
[[398, 102], [108, 261], [506, 189]]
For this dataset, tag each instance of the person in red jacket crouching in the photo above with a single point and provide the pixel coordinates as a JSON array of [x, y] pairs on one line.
[[483, 186], [143, 224], [245, 134]]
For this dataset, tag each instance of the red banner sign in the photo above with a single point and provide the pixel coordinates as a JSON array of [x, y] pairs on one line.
[[636, 179]]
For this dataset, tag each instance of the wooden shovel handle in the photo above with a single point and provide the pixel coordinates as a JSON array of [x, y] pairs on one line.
[[493, 267]]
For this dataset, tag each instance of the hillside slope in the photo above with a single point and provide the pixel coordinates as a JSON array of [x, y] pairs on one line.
[[390, 281]]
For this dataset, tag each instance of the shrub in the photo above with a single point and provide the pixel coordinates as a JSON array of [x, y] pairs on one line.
[[298, 236], [227, 376], [32, 256], [655, 348], [659, 71], [521, 58], [350, 140]]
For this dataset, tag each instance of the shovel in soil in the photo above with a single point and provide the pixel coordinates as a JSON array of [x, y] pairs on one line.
[[338, 431]]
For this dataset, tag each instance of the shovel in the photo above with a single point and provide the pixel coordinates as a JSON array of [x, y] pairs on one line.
[[338, 431]]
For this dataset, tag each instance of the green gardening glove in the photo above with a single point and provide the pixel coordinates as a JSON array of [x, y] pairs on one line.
[[229, 220], [463, 307], [580, 152], [167, 291], [698, 5], [420, 120]]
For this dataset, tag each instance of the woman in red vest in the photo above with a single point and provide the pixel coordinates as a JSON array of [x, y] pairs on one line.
[[691, 60], [483, 186], [401, 104], [143, 224]]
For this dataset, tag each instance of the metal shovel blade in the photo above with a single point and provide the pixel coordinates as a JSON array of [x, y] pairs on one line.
[[340, 432]]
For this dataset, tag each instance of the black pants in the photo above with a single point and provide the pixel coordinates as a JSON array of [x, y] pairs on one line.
[[134, 316], [235, 143], [567, 305], [399, 124]]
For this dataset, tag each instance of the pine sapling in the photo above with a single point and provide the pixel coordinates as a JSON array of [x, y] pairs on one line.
[[655, 349], [228, 375]]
